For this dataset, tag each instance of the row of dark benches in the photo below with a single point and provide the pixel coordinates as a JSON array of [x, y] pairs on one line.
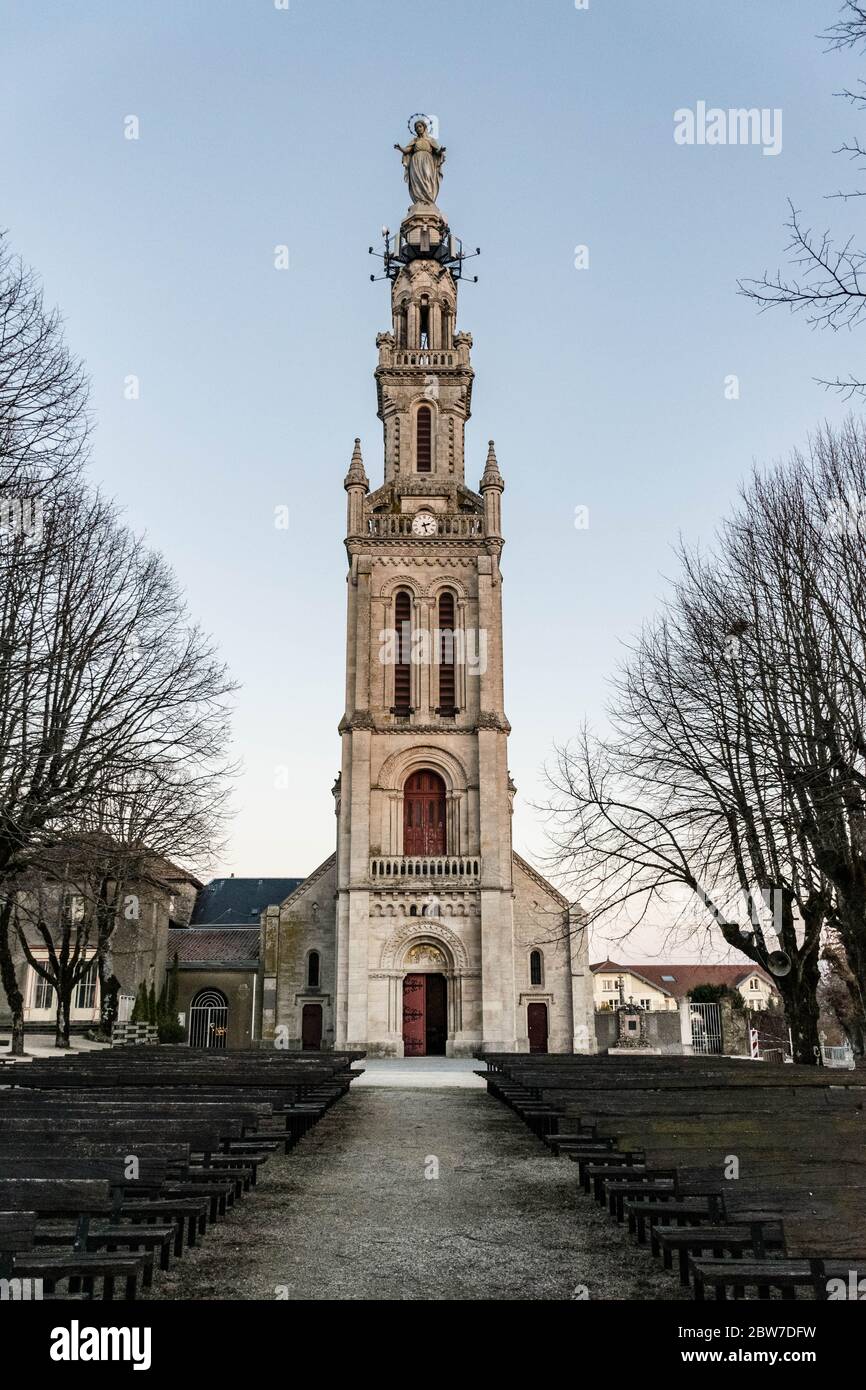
[[112, 1162], [751, 1177]]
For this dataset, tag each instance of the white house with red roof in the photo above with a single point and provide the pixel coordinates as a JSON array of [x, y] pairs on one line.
[[661, 987]]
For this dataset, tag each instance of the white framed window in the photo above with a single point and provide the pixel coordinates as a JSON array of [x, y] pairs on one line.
[[85, 991], [43, 992], [43, 997], [646, 1003], [754, 983], [73, 909]]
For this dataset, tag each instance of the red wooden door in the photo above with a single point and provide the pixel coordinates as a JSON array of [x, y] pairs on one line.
[[424, 814], [414, 1016], [311, 1027], [537, 1020]]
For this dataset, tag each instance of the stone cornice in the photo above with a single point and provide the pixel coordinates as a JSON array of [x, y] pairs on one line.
[[363, 720], [406, 550]]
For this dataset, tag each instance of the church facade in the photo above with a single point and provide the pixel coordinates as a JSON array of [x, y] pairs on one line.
[[424, 932]]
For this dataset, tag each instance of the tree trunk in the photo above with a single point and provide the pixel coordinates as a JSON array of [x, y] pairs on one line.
[[14, 997], [799, 991], [64, 1011], [109, 987]]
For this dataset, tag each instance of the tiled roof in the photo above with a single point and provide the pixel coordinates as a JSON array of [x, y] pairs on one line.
[[229, 946], [684, 977], [239, 902]]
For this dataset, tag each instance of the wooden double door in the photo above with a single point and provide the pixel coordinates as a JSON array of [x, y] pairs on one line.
[[424, 814], [425, 1015]]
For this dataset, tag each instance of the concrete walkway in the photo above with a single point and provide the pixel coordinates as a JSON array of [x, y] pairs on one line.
[[350, 1214], [421, 1071]]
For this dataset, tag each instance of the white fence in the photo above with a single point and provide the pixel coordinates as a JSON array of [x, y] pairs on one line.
[[838, 1056]]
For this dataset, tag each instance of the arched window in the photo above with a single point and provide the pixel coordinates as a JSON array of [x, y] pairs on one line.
[[403, 671], [536, 968], [447, 688], [424, 440], [313, 968], [424, 800]]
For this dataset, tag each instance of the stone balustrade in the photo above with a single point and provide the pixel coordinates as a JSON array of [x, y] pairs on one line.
[[388, 524], [442, 869]]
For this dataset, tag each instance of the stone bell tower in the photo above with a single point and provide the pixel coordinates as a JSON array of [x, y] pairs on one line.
[[435, 939]]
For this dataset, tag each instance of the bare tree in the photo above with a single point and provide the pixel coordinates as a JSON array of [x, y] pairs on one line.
[[54, 915], [109, 697], [44, 426], [128, 838], [739, 758], [677, 806], [826, 282]]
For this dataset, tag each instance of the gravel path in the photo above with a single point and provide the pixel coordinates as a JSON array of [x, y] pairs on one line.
[[349, 1214]]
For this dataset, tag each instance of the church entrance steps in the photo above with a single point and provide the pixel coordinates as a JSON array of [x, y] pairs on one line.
[[356, 1211], [424, 1072]]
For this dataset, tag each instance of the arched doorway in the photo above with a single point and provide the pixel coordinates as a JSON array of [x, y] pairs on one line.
[[424, 814], [311, 1027], [209, 1019], [425, 1001]]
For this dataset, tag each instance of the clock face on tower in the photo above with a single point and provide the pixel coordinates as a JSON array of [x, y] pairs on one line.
[[424, 525]]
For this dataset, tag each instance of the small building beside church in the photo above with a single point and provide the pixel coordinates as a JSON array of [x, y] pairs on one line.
[[219, 960]]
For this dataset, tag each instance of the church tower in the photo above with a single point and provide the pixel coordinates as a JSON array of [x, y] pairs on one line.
[[444, 940]]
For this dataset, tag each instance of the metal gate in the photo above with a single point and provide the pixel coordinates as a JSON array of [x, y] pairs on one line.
[[706, 1023], [208, 1019]]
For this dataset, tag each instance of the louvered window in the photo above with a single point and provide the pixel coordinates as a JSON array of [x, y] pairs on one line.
[[423, 445], [447, 688], [403, 670]]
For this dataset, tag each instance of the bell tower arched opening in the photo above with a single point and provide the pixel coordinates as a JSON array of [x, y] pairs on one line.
[[424, 814]]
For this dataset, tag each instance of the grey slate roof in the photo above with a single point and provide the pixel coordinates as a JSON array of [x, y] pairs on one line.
[[239, 902]]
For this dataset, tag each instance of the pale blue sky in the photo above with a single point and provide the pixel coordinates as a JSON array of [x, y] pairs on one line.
[[602, 387]]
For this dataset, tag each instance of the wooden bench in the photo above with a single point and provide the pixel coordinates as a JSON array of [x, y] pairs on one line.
[[653, 1138], [79, 1198]]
